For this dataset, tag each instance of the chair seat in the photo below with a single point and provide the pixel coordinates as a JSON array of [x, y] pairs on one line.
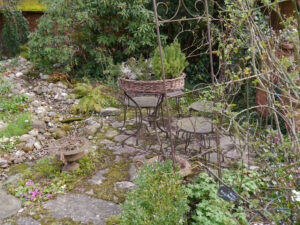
[[198, 125], [143, 102]]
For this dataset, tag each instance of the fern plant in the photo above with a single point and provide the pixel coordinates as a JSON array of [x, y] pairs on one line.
[[174, 61], [91, 99]]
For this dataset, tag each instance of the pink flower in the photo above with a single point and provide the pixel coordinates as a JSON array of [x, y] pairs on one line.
[[290, 183], [48, 195]]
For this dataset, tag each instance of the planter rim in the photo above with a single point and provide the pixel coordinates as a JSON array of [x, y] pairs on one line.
[[152, 86], [152, 81]]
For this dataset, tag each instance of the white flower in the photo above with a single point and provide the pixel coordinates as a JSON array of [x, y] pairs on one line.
[[296, 196]]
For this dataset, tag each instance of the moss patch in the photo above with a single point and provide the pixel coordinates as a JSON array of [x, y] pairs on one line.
[[113, 220], [66, 128], [72, 119], [118, 171], [48, 220], [19, 168]]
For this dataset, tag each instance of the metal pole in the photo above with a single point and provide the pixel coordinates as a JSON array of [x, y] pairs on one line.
[[213, 83], [164, 79]]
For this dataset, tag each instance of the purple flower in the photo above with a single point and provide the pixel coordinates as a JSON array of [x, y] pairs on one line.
[[48, 196]]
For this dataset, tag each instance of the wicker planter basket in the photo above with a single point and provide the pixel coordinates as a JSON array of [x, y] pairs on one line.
[[155, 86]]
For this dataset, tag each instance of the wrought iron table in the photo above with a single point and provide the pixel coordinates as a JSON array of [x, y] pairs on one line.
[[201, 127]]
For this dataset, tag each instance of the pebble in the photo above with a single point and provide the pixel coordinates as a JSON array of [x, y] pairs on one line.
[[37, 145], [19, 74]]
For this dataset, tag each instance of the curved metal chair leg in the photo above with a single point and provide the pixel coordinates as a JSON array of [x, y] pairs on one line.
[[125, 113], [139, 124]]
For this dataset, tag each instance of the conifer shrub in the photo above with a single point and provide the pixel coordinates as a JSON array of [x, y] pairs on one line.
[[82, 36], [174, 61], [15, 29]]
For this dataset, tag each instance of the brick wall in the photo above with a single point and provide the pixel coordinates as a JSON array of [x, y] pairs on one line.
[[32, 18]]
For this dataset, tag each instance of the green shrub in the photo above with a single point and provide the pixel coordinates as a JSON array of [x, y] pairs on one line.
[[208, 207], [174, 61], [19, 126], [159, 198], [83, 35], [15, 30], [48, 167]]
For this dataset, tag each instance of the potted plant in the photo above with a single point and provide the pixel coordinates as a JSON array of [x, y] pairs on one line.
[[146, 75]]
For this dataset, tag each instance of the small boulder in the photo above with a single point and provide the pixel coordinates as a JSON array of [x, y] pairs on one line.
[[2, 125], [124, 185], [34, 132], [91, 130], [40, 125], [3, 163], [111, 133], [36, 103], [37, 145], [59, 133], [29, 146], [25, 137], [110, 111]]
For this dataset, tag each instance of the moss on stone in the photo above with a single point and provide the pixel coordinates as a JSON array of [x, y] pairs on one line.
[[113, 220], [118, 171], [66, 128], [72, 119], [19, 168], [48, 220]]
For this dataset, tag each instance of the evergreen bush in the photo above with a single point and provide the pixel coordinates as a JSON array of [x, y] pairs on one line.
[[83, 35], [15, 29], [174, 61]]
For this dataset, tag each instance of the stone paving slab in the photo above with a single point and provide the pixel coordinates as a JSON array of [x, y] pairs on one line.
[[98, 178], [82, 208], [27, 221], [9, 205]]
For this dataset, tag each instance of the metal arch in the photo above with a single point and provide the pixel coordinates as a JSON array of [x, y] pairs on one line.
[[181, 4], [159, 20]]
